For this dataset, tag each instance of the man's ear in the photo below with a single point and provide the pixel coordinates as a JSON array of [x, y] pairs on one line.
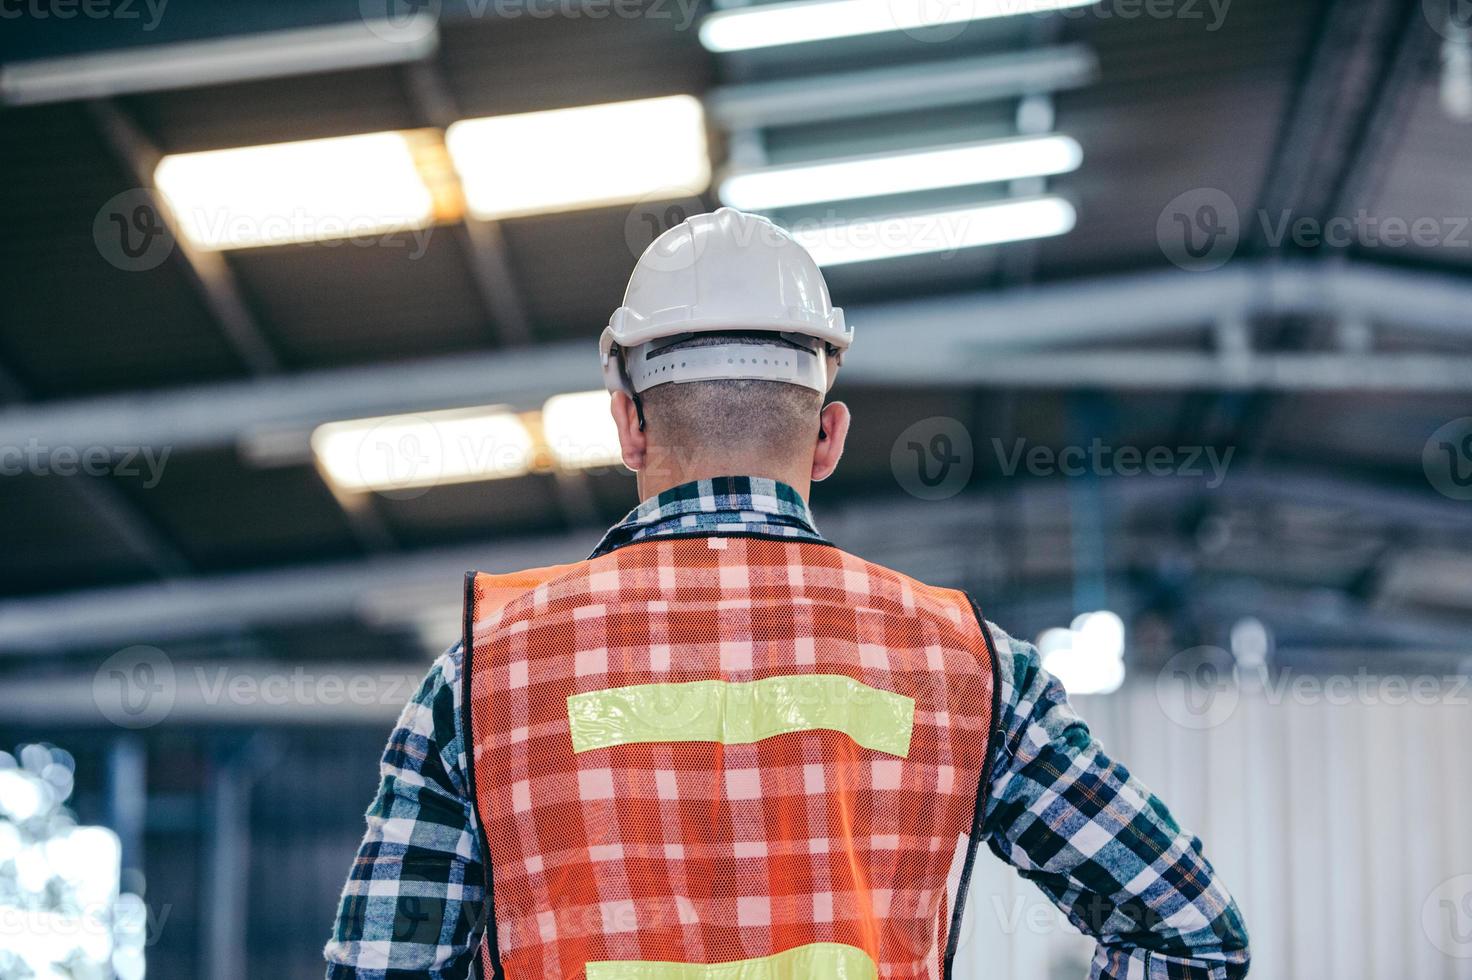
[[833, 433], [631, 440]]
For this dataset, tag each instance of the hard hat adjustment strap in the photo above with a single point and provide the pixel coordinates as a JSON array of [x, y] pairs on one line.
[[786, 363]]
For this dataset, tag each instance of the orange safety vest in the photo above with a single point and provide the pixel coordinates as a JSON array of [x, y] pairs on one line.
[[718, 757]]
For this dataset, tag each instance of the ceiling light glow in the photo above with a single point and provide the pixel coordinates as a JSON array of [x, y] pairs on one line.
[[841, 243], [769, 25], [579, 430], [429, 449], [582, 157], [313, 190], [900, 173]]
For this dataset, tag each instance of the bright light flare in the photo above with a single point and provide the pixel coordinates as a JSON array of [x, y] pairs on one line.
[[579, 430], [581, 157], [1088, 657]]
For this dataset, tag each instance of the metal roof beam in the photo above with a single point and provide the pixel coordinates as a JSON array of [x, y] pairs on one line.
[[207, 270], [1011, 339]]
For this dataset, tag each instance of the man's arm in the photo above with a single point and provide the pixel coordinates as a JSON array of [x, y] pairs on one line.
[[412, 906], [1098, 843]]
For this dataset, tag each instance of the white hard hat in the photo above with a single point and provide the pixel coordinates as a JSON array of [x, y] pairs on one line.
[[727, 271]]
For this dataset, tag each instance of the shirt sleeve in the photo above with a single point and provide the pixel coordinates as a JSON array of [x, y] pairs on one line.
[[413, 902], [1099, 844]]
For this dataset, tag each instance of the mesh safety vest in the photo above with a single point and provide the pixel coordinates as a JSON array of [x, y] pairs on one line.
[[725, 758]]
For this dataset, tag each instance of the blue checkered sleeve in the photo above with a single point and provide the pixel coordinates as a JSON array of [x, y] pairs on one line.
[[414, 903], [1099, 844]]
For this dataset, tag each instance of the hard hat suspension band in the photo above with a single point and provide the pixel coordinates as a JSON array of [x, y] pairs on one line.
[[800, 365]]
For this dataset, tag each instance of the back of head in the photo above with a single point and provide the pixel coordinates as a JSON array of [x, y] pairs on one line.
[[721, 355], [730, 424]]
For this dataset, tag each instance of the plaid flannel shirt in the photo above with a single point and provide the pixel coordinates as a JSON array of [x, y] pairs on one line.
[[1077, 824]]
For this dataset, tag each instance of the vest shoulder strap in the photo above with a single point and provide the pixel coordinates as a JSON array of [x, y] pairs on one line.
[[490, 593]]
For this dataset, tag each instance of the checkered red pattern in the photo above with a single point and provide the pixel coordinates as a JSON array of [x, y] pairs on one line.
[[701, 852]]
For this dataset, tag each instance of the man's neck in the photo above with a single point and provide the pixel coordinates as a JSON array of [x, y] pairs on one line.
[[654, 483]]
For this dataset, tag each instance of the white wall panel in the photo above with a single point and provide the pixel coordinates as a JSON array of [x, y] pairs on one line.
[[1331, 820]]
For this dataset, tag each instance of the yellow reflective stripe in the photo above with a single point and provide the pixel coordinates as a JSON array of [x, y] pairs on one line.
[[741, 712], [818, 961]]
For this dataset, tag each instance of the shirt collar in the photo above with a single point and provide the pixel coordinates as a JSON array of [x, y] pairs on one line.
[[723, 504]]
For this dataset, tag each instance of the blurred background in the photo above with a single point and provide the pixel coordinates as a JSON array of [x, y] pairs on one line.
[[1164, 352]]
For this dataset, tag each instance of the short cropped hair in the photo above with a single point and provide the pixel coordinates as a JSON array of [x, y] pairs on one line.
[[745, 417]]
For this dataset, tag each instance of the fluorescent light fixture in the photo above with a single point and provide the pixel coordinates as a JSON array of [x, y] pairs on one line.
[[1088, 657], [902, 88], [769, 25], [900, 173], [540, 162], [936, 231], [433, 448], [190, 64], [579, 430], [314, 190]]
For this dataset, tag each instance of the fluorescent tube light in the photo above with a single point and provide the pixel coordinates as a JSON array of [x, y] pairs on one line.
[[583, 157], [428, 449], [769, 25], [190, 64], [899, 173], [936, 231], [314, 190], [579, 430]]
